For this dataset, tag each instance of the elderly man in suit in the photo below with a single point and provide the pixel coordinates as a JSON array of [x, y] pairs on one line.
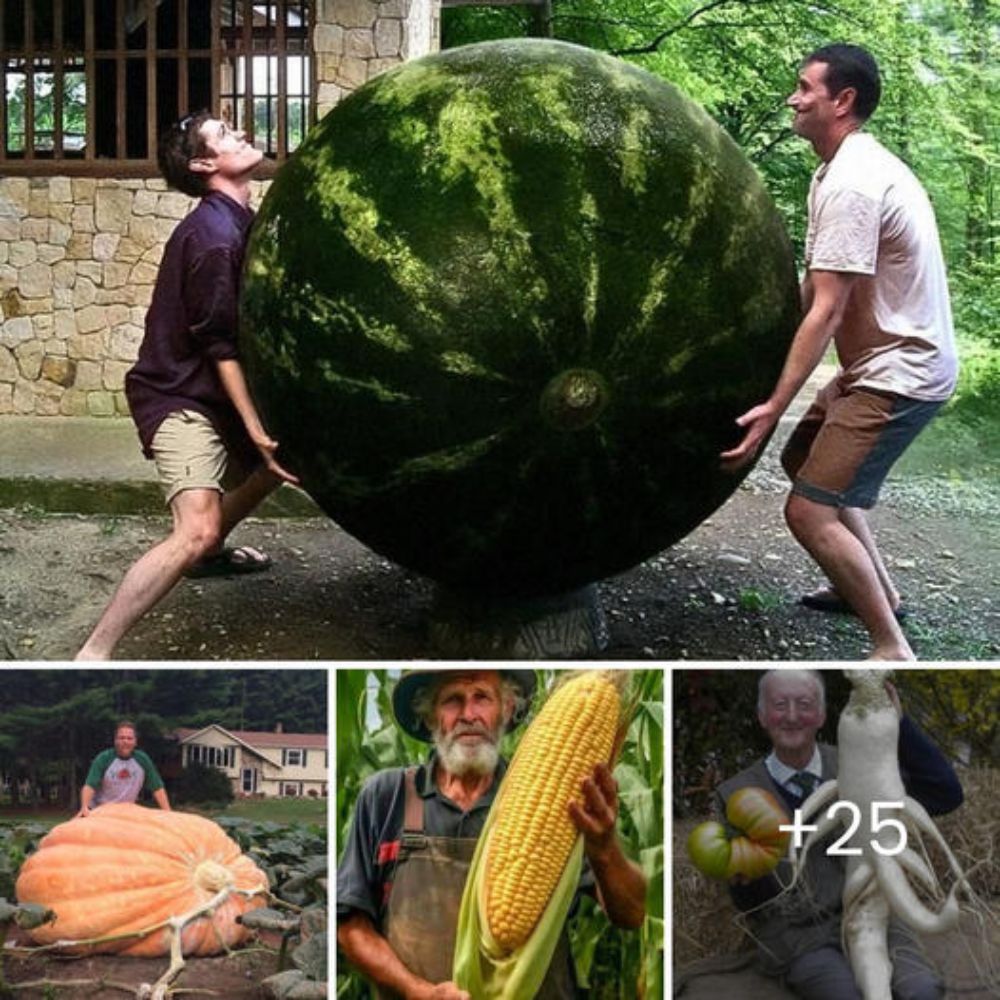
[[798, 932]]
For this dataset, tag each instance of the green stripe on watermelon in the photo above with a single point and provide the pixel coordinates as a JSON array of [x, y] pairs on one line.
[[450, 248]]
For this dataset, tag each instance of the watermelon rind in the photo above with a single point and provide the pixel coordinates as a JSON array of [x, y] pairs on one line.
[[502, 308]]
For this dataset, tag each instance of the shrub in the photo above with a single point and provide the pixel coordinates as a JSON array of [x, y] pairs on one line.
[[203, 784]]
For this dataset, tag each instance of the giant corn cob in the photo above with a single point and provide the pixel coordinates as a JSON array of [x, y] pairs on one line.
[[529, 855], [533, 836]]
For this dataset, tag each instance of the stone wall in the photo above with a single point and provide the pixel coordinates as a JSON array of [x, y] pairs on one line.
[[78, 257], [358, 39]]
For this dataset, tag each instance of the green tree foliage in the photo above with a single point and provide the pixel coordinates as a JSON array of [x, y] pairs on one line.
[[958, 709], [74, 109], [940, 111], [613, 964]]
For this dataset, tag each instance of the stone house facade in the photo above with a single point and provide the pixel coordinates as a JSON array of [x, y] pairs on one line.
[[81, 236]]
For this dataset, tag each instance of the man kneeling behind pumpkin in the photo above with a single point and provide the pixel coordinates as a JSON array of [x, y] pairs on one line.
[[121, 773], [414, 832]]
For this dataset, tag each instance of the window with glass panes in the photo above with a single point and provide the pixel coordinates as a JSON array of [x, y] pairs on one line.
[[87, 86], [213, 756]]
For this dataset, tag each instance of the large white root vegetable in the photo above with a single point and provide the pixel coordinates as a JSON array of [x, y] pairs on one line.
[[877, 885]]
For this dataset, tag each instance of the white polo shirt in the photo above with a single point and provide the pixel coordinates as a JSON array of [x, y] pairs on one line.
[[869, 215]]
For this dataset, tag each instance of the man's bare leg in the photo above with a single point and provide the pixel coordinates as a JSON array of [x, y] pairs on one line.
[[244, 500], [855, 519], [849, 567], [240, 502], [197, 518]]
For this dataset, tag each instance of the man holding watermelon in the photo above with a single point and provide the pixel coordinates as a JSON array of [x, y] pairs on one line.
[[875, 285], [187, 391]]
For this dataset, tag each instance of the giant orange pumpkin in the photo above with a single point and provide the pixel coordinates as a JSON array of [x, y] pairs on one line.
[[124, 868]]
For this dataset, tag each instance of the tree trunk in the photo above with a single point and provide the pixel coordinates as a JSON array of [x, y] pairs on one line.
[[978, 246], [541, 20]]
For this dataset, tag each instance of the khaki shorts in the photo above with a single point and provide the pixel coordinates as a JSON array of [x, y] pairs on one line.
[[190, 455], [844, 446]]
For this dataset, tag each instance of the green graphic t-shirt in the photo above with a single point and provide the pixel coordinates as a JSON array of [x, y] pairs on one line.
[[120, 779]]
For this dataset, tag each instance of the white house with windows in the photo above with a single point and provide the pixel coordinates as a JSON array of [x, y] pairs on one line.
[[261, 763]]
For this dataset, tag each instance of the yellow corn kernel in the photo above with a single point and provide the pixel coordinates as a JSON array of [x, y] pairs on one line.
[[533, 836]]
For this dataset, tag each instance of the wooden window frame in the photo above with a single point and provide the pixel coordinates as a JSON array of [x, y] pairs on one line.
[[60, 59]]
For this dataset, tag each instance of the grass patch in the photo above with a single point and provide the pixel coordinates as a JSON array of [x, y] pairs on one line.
[[751, 599], [962, 442], [955, 447], [277, 810], [951, 643], [11, 817]]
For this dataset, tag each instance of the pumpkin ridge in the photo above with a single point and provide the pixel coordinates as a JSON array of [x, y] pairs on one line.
[[113, 830], [67, 856], [102, 887], [122, 910]]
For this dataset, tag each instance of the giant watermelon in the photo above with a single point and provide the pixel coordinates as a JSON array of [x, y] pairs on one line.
[[502, 308]]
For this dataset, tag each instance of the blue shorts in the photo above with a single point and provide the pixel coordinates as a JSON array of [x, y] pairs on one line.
[[844, 446]]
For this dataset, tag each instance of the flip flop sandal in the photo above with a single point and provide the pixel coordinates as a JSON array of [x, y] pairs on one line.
[[832, 603], [230, 562]]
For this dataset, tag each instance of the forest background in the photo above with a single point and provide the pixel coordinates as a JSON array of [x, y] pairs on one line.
[[940, 112]]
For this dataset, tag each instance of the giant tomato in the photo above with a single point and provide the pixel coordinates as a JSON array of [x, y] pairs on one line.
[[708, 847], [750, 845]]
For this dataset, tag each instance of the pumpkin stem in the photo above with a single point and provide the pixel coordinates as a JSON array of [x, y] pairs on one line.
[[212, 876]]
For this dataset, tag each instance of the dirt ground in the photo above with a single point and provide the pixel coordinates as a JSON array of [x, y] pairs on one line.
[[954, 955], [110, 977], [729, 591]]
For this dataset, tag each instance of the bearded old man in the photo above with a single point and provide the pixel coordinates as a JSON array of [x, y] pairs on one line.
[[414, 832]]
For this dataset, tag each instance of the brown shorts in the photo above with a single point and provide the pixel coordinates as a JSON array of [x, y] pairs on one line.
[[190, 455], [844, 446]]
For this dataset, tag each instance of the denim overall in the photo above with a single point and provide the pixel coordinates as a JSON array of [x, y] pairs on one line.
[[426, 894]]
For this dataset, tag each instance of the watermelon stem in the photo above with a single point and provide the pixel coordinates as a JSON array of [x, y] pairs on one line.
[[574, 399]]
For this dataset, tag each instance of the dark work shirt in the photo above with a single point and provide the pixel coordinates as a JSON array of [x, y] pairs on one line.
[[191, 324], [365, 870]]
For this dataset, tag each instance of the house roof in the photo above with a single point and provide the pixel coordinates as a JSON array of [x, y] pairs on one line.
[[262, 740]]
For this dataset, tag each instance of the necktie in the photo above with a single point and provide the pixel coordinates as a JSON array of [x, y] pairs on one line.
[[805, 781]]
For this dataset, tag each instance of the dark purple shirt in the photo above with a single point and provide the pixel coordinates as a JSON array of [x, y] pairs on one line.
[[191, 324]]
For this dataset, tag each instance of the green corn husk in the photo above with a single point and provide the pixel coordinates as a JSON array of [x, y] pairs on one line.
[[480, 967]]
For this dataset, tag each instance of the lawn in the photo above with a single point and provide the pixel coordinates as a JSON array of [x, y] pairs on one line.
[[284, 810]]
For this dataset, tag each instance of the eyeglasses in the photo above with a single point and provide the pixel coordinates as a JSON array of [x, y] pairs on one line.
[[185, 122]]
